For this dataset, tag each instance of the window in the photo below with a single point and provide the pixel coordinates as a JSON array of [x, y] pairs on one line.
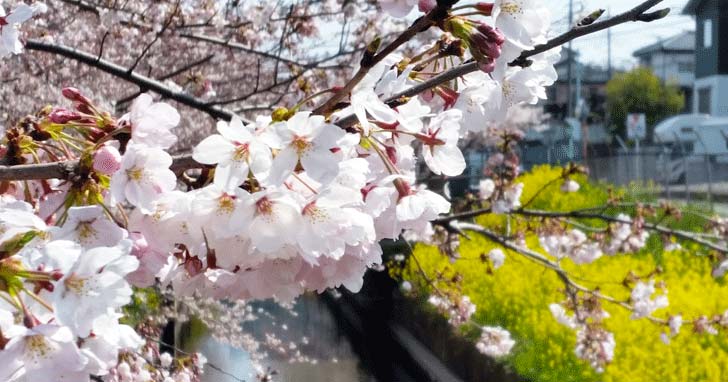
[[707, 33], [704, 101], [685, 67]]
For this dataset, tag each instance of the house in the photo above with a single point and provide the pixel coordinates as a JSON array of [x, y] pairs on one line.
[[711, 56], [589, 81], [673, 61]]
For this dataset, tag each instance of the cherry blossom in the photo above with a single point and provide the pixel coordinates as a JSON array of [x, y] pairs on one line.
[[486, 187], [225, 212], [561, 317], [143, 177], [497, 257], [276, 220], [397, 8], [107, 160], [10, 23], [299, 199], [92, 285], [510, 200], [90, 227], [495, 341], [596, 346], [307, 139], [440, 140], [45, 352], [569, 186], [152, 122], [642, 301], [524, 22], [237, 151], [365, 101]]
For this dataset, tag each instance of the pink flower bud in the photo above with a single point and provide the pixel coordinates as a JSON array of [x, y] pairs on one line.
[[426, 6], [107, 160], [75, 95], [56, 275], [487, 66], [63, 116]]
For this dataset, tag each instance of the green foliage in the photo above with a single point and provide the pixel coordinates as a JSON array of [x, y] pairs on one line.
[[517, 296], [145, 302], [641, 91]]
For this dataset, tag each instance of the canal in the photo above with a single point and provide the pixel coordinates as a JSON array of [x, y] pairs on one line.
[[314, 347]]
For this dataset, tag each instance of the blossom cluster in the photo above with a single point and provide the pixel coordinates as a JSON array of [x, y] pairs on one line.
[[279, 205]]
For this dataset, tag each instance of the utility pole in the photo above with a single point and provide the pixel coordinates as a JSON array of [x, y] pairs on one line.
[[609, 46], [570, 108]]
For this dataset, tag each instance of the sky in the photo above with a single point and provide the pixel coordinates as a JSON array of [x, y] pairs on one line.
[[626, 38]]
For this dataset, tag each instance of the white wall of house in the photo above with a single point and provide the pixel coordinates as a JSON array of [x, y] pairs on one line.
[[673, 67], [717, 88]]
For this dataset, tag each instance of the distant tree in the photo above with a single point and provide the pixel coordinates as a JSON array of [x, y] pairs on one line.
[[641, 91]]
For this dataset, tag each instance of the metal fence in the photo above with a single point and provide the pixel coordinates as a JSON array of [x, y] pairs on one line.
[[666, 171], [674, 175]]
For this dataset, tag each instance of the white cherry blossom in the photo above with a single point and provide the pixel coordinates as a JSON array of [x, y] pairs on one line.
[[237, 151], [495, 341], [306, 139], [90, 227], [397, 8], [497, 257], [523, 22], [276, 221], [144, 176], [642, 303], [46, 352], [94, 284], [225, 212], [440, 144], [152, 122], [10, 23]]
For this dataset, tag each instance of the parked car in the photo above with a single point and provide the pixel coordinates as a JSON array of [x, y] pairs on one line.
[[691, 139]]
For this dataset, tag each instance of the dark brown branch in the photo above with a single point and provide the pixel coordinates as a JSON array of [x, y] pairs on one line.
[[685, 235], [240, 47], [545, 262], [422, 24], [123, 73], [159, 34], [54, 170], [66, 170], [169, 75], [461, 70]]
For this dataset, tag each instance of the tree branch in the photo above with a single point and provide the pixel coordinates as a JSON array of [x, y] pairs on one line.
[[56, 170], [123, 73]]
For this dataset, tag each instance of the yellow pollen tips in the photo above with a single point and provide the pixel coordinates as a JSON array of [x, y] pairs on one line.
[[86, 232], [135, 174], [37, 346], [75, 284], [512, 8], [241, 153], [301, 144], [225, 204], [314, 213], [265, 206]]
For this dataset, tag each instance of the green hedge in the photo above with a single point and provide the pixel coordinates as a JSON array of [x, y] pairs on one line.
[[517, 296]]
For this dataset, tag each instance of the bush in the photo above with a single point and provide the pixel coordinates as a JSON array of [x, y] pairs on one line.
[[517, 296]]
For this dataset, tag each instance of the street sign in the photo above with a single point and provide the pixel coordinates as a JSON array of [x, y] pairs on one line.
[[636, 126]]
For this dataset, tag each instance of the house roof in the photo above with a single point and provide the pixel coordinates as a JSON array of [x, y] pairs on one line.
[[590, 74], [680, 43], [692, 7]]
